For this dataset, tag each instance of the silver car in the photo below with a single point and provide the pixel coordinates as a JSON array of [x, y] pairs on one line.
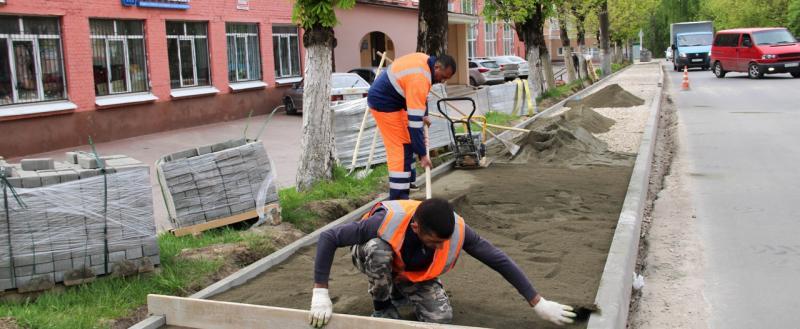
[[510, 68], [344, 87], [489, 69], [523, 69]]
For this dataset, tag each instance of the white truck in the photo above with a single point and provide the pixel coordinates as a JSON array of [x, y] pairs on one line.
[[691, 44]]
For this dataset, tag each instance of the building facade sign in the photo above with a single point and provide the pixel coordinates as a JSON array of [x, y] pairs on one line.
[[164, 4]]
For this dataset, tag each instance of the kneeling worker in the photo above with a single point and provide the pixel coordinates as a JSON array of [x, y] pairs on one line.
[[403, 246]]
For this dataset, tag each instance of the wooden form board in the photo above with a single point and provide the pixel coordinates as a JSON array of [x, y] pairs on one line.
[[198, 228], [210, 314]]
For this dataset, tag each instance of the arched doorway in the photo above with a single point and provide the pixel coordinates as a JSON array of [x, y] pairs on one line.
[[372, 43]]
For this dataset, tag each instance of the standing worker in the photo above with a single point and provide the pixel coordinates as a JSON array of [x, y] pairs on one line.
[[403, 246], [398, 101]]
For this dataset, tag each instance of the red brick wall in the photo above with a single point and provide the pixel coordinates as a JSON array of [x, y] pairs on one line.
[[165, 113]]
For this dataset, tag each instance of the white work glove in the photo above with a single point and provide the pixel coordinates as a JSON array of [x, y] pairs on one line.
[[321, 308], [554, 312]]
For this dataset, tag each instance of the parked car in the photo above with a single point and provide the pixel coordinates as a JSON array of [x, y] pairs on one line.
[[757, 51], [476, 77], [489, 69], [510, 69], [366, 73], [344, 87], [523, 67]]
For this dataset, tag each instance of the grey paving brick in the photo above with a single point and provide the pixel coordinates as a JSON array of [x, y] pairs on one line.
[[5, 273], [37, 164], [99, 269], [68, 175], [88, 161], [15, 182], [23, 270], [87, 173], [6, 284], [183, 154], [116, 256], [155, 259], [30, 179], [72, 157], [62, 265], [80, 262], [133, 253], [59, 276], [217, 213], [43, 268], [205, 149], [49, 177], [97, 260], [23, 260]]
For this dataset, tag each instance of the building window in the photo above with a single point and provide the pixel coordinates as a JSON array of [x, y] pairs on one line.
[[187, 51], [491, 39], [118, 56], [560, 51], [244, 53], [31, 61], [468, 7], [472, 35], [286, 51], [508, 39]]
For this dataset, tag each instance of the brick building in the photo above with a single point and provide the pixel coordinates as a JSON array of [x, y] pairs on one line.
[[114, 69]]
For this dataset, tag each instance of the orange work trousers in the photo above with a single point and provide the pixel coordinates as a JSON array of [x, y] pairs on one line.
[[399, 155]]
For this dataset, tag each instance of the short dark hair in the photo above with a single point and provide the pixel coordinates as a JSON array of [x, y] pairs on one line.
[[436, 216], [446, 61]]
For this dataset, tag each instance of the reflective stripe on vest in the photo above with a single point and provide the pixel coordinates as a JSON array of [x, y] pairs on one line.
[[393, 231]]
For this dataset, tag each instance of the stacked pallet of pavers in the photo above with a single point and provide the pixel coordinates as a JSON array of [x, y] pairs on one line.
[[75, 220], [215, 181]]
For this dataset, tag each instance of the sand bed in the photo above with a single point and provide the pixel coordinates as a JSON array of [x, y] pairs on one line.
[[553, 209]]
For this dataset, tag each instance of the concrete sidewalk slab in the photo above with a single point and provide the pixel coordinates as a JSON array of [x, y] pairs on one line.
[[281, 139]]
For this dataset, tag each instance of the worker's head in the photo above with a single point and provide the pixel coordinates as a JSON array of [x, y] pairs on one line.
[[434, 222], [444, 68]]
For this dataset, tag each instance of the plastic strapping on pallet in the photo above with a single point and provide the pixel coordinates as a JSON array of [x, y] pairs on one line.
[[221, 182], [64, 227]]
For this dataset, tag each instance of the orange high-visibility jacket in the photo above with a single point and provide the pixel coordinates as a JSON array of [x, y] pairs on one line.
[[393, 231], [410, 78]]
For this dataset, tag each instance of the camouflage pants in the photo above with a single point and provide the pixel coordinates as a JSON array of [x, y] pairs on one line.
[[374, 258]]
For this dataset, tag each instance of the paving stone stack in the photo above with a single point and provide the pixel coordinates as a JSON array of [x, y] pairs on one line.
[[347, 118], [215, 181], [62, 227]]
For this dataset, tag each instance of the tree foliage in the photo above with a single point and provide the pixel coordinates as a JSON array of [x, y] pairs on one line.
[[311, 13]]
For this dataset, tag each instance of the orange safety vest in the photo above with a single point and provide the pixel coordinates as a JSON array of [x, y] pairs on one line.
[[410, 76], [393, 231]]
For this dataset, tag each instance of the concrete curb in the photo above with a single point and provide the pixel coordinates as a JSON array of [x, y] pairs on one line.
[[264, 264], [614, 293]]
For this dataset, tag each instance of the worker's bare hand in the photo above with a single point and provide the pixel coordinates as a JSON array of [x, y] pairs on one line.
[[425, 162], [426, 120]]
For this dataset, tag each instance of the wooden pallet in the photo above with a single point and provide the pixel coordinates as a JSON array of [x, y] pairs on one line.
[[202, 313], [199, 228]]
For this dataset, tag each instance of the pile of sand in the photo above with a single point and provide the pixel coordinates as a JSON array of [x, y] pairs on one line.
[[566, 139], [610, 96]]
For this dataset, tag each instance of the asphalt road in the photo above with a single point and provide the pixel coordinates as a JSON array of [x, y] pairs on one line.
[[741, 138]]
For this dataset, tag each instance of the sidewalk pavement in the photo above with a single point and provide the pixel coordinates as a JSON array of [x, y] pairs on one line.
[[281, 139]]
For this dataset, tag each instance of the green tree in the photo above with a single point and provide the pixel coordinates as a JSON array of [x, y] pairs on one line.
[[318, 156], [793, 17], [528, 17]]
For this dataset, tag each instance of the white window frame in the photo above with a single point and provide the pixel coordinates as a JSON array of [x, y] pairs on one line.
[[191, 39], [468, 7], [124, 39], [490, 39], [508, 39], [472, 40], [247, 51], [34, 39], [560, 51], [279, 68]]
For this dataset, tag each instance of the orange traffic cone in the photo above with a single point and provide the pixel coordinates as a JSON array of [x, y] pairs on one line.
[[685, 84]]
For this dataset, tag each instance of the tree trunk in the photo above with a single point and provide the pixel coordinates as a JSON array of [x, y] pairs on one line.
[[580, 18], [531, 33], [432, 21], [604, 35], [547, 65], [565, 43], [318, 154]]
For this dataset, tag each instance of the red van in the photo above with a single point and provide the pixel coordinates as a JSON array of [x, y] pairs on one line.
[[757, 51]]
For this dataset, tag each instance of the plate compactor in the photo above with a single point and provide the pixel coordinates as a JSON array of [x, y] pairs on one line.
[[468, 148]]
